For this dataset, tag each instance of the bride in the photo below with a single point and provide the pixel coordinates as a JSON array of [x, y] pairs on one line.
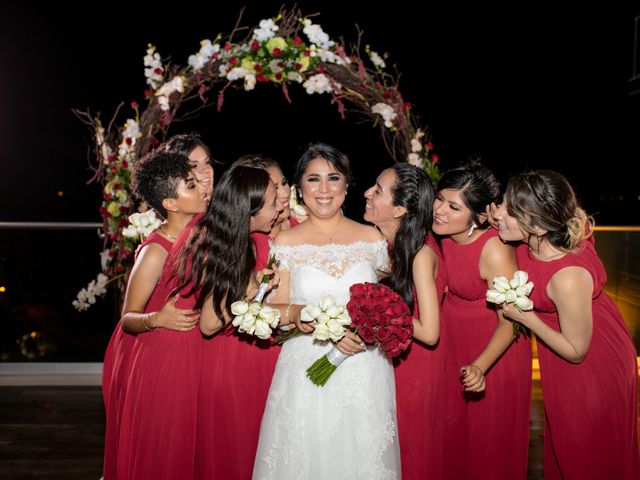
[[346, 429]]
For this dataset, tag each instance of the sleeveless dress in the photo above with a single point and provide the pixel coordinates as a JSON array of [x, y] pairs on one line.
[[158, 431], [420, 378], [590, 407], [230, 404], [115, 374], [347, 428], [487, 433]]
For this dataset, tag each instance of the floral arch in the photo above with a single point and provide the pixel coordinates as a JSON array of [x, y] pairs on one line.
[[285, 51]]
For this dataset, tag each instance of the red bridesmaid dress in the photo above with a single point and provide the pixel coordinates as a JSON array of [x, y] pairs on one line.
[[158, 430], [590, 407], [115, 374], [486, 434], [419, 374], [236, 376]]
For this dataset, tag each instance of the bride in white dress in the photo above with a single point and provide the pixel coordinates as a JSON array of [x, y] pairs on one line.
[[347, 428]]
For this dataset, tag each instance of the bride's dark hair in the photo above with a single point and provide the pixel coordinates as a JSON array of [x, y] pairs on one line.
[[217, 260], [321, 150], [414, 192]]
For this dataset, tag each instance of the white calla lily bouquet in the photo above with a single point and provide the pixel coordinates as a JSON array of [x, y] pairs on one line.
[[254, 317], [329, 321], [514, 291]]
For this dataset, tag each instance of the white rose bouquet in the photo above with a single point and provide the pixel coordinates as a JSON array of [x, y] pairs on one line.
[[514, 291], [254, 317]]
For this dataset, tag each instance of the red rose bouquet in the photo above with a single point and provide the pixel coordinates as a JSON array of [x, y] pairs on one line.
[[379, 316]]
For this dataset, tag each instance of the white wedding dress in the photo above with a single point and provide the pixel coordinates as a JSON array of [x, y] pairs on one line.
[[347, 428]]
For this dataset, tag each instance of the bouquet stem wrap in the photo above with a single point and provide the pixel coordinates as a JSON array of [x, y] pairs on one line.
[[324, 367]]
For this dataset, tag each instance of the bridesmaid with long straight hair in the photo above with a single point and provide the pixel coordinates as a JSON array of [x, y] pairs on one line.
[[488, 371], [587, 358], [215, 263], [400, 204]]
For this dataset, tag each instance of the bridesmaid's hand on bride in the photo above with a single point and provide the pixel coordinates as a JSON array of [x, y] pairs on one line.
[[350, 344]]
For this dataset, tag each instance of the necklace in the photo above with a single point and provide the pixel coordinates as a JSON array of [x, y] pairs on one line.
[[546, 258], [330, 237], [165, 234]]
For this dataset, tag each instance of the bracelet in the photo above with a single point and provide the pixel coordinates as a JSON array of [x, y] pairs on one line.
[[144, 324], [148, 316]]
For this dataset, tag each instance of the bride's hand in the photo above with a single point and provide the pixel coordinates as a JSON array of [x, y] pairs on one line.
[[304, 327], [350, 344]]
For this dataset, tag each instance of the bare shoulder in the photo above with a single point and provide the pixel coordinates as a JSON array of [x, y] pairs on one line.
[[496, 251], [426, 256], [292, 236], [151, 255], [362, 232], [570, 281]]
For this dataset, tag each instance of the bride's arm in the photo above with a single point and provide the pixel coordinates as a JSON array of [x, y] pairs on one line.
[[281, 299]]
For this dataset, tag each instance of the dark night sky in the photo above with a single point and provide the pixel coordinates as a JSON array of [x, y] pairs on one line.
[[538, 88]]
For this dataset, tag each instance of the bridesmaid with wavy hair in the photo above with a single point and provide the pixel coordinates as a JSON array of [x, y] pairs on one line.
[[587, 358], [400, 204], [488, 371], [210, 267], [223, 449]]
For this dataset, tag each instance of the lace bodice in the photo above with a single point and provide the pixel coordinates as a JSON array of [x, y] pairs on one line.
[[345, 430], [317, 270]]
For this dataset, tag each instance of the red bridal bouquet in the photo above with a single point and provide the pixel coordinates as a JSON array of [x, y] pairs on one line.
[[379, 316]]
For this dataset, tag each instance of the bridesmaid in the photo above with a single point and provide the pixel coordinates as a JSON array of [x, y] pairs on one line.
[[166, 182], [587, 358], [486, 433], [200, 160], [400, 204], [224, 403], [214, 263]]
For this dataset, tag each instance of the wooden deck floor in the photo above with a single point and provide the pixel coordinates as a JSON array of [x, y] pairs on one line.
[[57, 433]]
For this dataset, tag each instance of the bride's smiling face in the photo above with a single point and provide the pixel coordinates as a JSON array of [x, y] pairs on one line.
[[323, 188]]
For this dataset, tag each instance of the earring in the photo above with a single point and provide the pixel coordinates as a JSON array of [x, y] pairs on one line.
[[539, 240], [470, 232]]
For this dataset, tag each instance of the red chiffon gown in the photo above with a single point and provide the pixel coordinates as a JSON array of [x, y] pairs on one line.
[[158, 430], [419, 374], [236, 375], [590, 407], [115, 374], [486, 434]]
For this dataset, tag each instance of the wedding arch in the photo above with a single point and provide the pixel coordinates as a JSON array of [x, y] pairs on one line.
[[285, 51]]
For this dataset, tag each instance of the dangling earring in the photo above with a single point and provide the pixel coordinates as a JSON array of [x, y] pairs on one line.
[[470, 232], [539, 240]]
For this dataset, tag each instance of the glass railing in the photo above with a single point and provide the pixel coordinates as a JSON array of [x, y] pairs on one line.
[[619, 250], [44, 265]]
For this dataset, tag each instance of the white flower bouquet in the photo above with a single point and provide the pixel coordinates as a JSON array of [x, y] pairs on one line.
[[514, 291], [254, 317], [141, 225], [330, 321]]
